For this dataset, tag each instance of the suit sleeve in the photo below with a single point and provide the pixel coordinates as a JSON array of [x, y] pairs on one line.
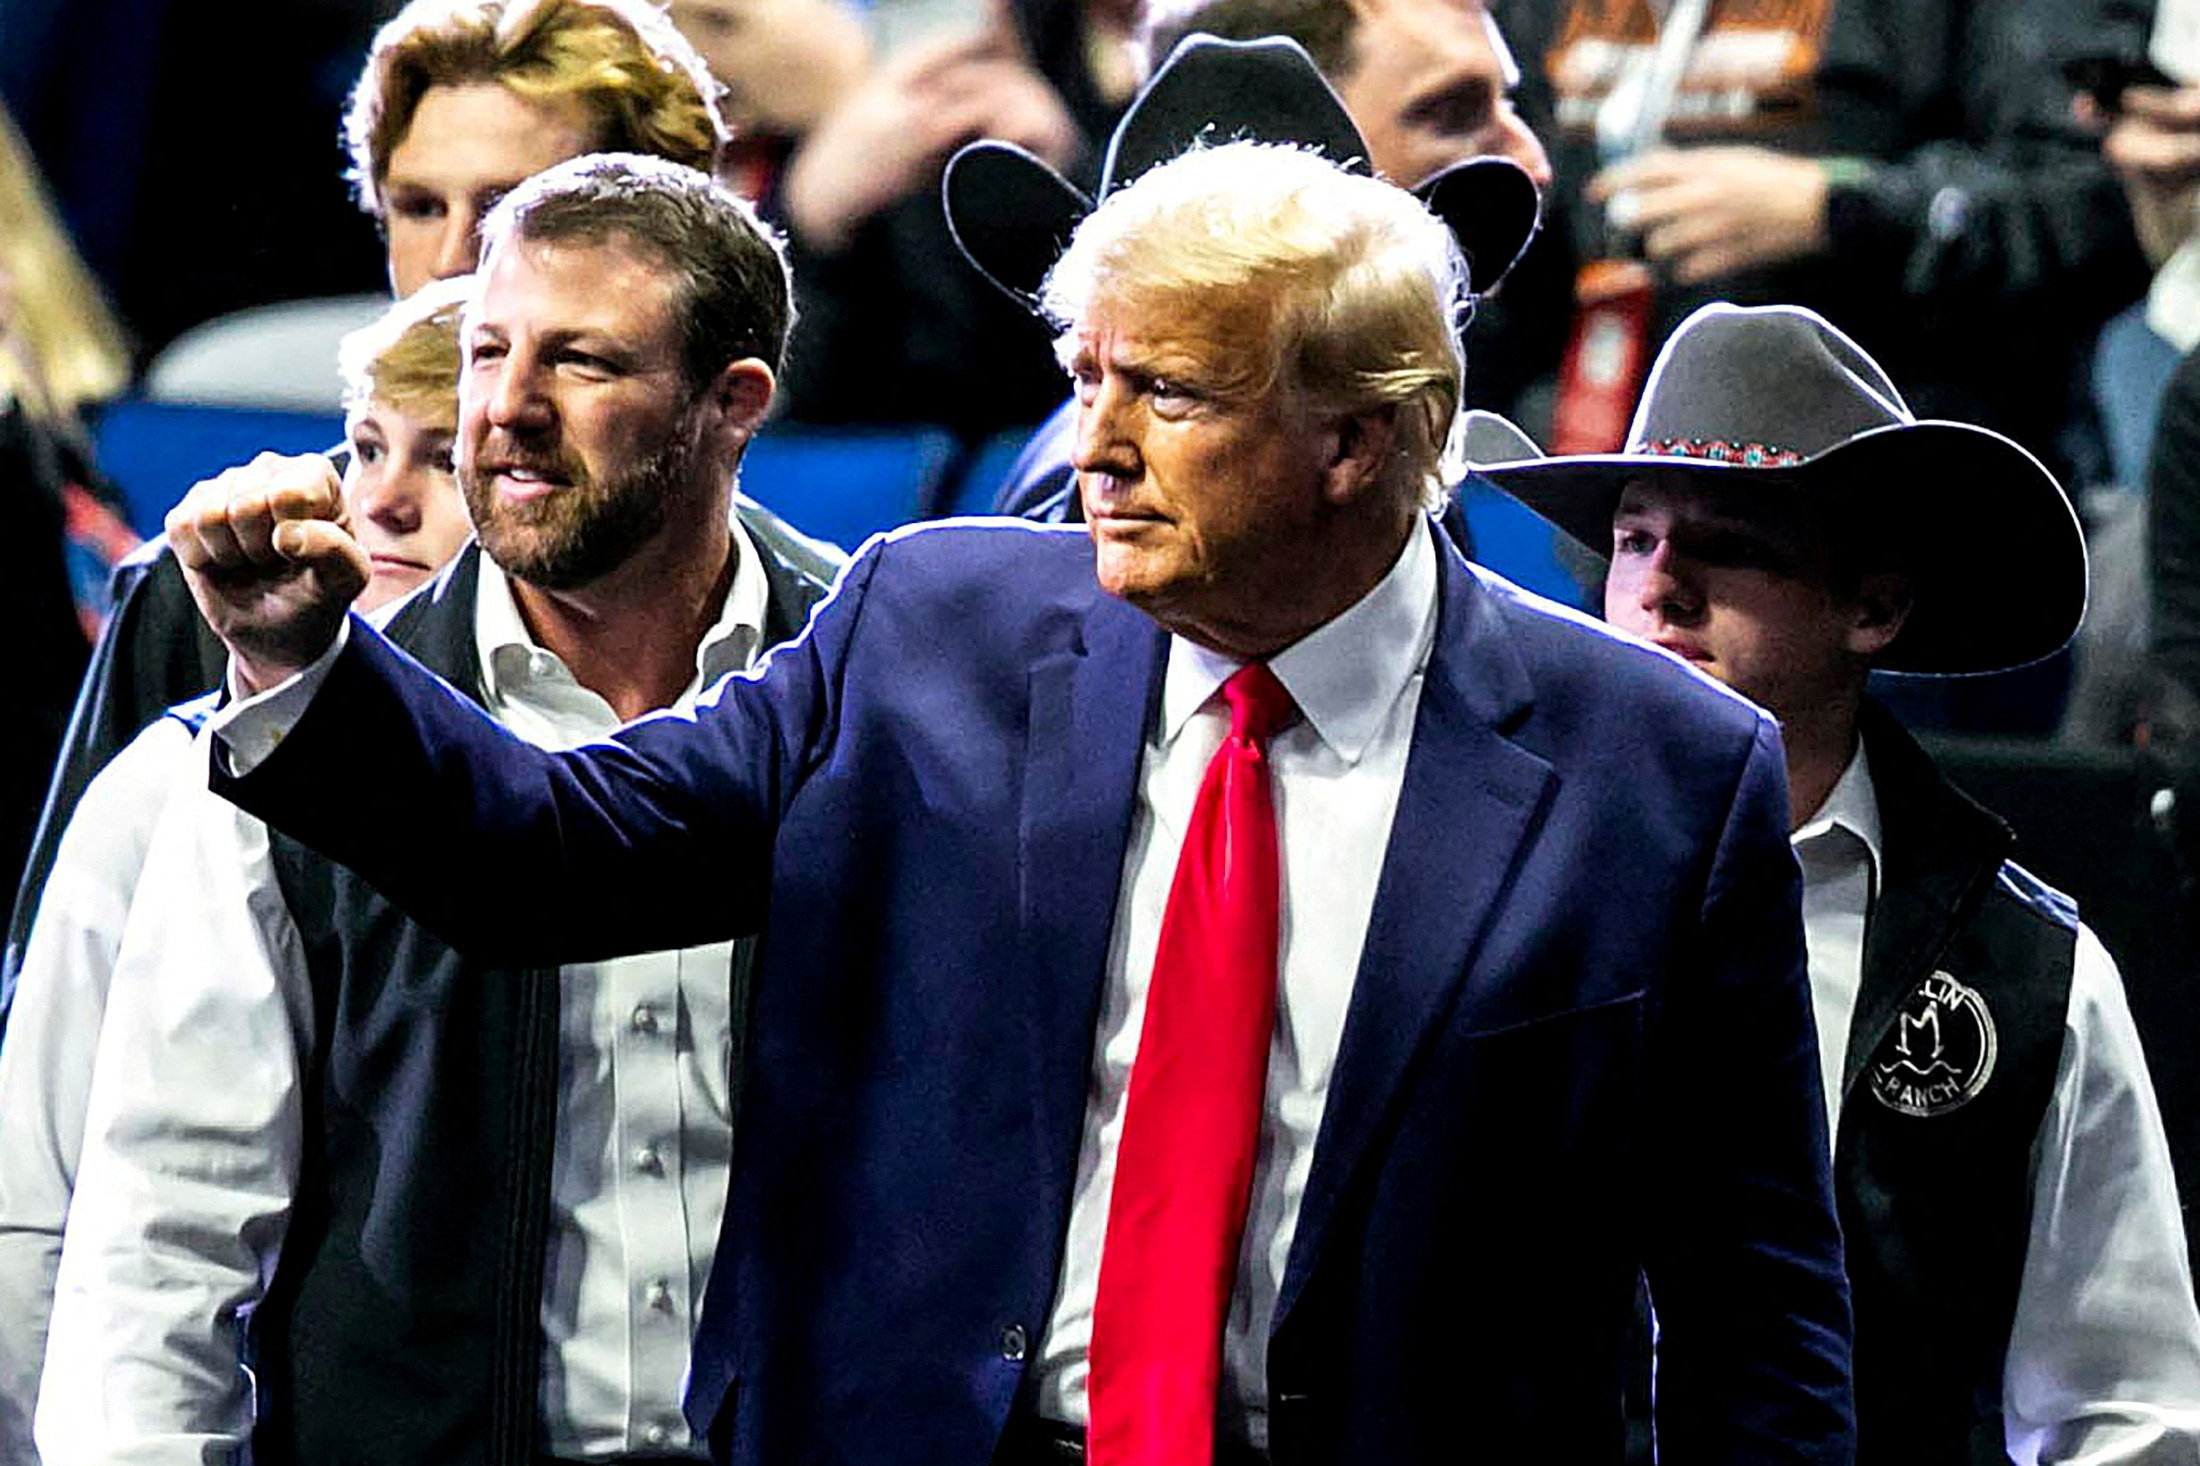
[[1744, 1263], [2005, 200], [658, 838]]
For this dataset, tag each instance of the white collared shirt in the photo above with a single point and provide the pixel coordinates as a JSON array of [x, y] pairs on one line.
[[2104, 1352], [644, 1108], [1337, 775], [185, 1145]]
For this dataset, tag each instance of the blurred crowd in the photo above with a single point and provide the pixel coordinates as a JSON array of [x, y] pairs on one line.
[[1955, 188]]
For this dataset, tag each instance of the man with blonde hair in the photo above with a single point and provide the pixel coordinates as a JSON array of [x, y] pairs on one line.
[[1220, 998]]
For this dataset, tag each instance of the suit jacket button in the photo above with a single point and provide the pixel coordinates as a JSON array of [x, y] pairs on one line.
[[1014, 1343]]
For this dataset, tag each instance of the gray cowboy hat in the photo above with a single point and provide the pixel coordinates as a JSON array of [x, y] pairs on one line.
[[1774, 396], [1012, 215]]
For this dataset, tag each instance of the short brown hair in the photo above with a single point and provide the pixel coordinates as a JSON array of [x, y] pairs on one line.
[[732, 295], [643, 82]]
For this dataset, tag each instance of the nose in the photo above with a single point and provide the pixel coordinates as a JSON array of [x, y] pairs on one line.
[[1103, 444], [1517, 141], [390, 496], [1666, 589], [458, 248], [509, 394]]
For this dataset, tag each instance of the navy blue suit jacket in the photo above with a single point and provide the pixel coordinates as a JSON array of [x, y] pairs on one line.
[[1579, 1045]]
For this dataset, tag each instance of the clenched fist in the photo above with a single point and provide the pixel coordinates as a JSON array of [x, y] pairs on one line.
[[271, 562]]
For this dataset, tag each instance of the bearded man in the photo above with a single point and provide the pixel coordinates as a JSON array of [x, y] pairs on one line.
[[468, 1217]]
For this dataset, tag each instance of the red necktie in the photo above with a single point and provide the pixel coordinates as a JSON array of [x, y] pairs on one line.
[[1191, 1121]]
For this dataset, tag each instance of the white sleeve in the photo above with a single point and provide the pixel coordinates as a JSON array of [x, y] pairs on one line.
[[251, 728], [191, 1148], [2104, 1356], [53, 1028]]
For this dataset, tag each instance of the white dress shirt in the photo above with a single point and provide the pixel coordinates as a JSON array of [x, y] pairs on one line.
[[1337, 775], [191, 1158], [53, 1030], [2104, 1352]]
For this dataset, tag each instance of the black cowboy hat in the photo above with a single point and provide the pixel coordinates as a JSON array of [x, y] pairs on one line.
[[1013, 215], [1775, 397]]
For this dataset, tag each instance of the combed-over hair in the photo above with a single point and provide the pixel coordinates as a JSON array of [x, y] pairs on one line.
[[1288, 275]]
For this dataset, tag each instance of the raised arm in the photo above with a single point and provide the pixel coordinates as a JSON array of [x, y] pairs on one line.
[[660, 839]]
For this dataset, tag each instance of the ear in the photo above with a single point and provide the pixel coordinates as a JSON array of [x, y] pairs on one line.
[[1877, 612], [738, 397], [1360, 446]]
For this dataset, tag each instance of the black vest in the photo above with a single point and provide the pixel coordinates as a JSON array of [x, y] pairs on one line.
[[1952, 1056], [403, 1323]]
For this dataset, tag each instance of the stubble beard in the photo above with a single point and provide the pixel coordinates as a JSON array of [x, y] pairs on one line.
[[582, 532]]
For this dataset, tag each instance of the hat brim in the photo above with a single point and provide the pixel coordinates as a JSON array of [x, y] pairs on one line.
[[1010, 214], [1493, 209], [1998, 559]]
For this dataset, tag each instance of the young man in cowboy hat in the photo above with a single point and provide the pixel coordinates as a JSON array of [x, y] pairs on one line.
[[1780, 521]]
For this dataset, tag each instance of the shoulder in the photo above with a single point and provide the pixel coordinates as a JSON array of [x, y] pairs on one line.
[[1624, 697], [2035, 898], [1003, 569], [151, 571], [113, 824], [811, 559]]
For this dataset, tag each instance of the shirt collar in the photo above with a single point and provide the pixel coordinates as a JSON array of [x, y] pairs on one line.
[[1852, 805], [506, 650], [1346, 674]]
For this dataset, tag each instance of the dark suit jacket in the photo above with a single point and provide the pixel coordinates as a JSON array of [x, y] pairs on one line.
[[1579, 1045]]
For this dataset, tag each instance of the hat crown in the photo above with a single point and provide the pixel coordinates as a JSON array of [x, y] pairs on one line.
[[1778, 384], [1213, 90]]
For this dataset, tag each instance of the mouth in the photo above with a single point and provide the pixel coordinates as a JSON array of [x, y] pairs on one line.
[[398, 565], [520, 479], [1687, 651], [520, 484]]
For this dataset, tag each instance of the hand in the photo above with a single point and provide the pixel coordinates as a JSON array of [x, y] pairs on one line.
[[1704, 213], [2153, 144], [894, 133], [271, 562]]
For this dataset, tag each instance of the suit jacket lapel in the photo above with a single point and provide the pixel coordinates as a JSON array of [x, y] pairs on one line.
[[1464, 815], [1090, 706]]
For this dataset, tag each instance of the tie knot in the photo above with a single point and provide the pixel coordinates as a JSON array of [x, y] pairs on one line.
[[1258, 703]]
